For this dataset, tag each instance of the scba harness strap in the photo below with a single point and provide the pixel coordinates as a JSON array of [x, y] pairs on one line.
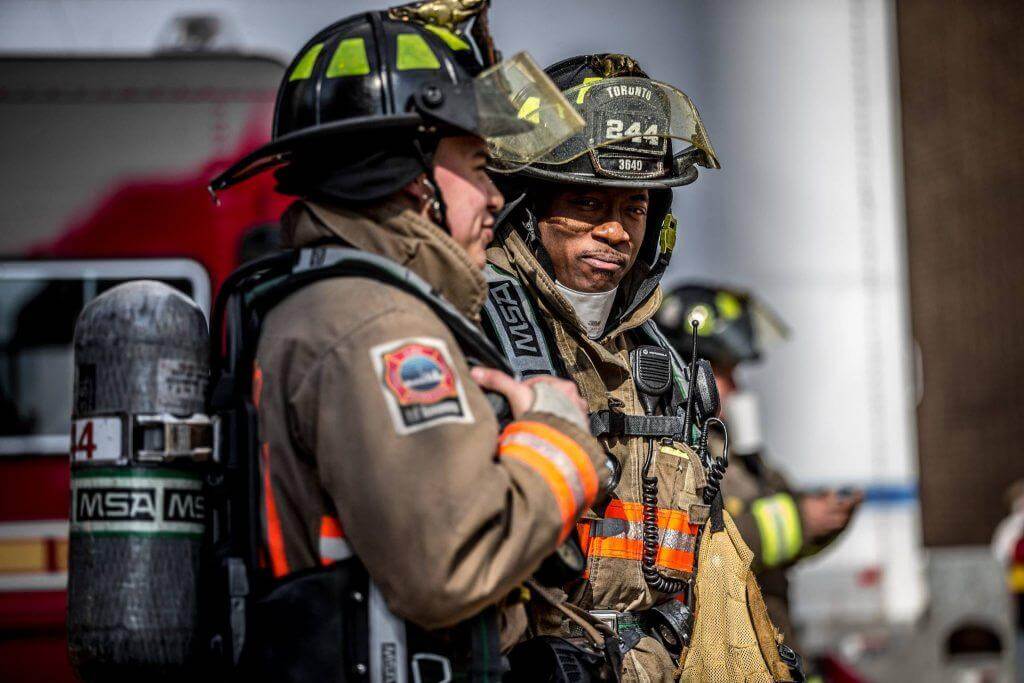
[[515, 325], [328, 623]]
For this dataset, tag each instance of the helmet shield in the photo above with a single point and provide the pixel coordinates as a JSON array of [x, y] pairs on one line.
[[629, 122], [521, 113], [768, 326]]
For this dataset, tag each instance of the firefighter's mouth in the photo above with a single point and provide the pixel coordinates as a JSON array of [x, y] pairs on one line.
[[605, 260]]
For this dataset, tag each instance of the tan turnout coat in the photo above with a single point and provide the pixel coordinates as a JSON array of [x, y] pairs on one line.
[[601, 370], [377, 441]]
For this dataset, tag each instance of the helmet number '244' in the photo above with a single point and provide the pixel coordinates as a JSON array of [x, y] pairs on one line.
[[614, 131]]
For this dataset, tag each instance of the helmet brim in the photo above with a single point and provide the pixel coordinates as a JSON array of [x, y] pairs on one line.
[[276, 153], [685, 178]]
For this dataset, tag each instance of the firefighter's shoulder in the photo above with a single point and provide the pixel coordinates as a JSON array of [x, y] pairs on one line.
[[334, 310]]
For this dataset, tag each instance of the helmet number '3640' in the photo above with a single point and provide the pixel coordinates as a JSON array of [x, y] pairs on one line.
[[614, 131]]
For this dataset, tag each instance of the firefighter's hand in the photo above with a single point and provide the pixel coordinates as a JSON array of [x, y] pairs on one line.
[[521, 395], [827, 513], [564, 387]]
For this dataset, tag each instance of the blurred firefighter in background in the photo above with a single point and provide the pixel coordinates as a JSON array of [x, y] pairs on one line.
[[781, 524]]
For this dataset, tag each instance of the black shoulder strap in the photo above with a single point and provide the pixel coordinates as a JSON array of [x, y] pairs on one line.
[[514, 325], [318, 263], [259, 286]]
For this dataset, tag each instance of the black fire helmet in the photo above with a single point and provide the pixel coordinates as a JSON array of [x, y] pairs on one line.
[[363, 104], [632, 125], [733, 326]]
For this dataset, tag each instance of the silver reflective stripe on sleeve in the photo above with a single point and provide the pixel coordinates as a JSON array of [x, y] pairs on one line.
[[514, 321], [334, 549], [388, 656]]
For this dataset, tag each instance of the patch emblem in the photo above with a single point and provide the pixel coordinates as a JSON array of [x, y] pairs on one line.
[[419, 385]]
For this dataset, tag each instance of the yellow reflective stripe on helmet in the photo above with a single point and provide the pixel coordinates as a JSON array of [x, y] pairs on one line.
[[586, 86], [778, 522], [304, 69], [728, 305], [349, 59], [667, 236], [414, 53], [450, 39]]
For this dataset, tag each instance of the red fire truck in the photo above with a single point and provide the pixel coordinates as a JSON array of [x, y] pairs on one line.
[[104, 174]]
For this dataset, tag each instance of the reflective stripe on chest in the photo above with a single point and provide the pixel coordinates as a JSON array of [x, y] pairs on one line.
[[619, 534]]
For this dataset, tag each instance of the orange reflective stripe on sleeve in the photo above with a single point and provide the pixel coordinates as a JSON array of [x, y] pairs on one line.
[[275, 538], [552, 476], [579, 457], [559, 460]]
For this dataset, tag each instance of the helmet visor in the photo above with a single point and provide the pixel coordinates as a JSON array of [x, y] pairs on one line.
[[768, 326], [628, 124], [521, 113]]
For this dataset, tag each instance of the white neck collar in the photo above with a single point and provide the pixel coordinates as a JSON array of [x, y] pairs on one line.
[[592, 308]]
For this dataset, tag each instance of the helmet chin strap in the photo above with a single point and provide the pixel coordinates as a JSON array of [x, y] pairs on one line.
[[438, 208]]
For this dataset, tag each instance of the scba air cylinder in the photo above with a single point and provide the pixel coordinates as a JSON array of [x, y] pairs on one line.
[[140, 445]]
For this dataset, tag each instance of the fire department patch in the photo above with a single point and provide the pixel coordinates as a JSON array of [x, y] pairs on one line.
[[420, 387]]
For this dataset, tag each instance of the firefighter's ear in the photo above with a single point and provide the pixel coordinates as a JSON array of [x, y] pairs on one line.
[[419, 192]]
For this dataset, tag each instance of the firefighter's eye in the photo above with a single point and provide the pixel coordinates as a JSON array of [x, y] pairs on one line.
[[585, 203]]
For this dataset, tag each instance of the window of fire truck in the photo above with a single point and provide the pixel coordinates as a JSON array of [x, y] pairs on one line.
[[39, 304]]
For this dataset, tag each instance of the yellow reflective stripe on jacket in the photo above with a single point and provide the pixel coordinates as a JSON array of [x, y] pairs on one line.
[[562, 463], [304, 69], [778, 522]]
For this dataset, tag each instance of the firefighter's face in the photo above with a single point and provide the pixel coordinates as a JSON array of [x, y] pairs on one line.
[[471, 199], [593, 234]]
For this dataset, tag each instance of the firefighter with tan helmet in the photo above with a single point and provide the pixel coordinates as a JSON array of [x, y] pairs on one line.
[[782, 524], [574, 284]]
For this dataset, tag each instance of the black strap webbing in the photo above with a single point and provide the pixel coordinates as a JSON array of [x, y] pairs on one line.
[[607, 422]]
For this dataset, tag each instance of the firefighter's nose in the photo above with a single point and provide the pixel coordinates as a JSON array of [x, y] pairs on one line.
[[611, 232]]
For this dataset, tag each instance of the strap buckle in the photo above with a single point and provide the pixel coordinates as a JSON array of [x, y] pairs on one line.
[[608, 616], [163, 437]]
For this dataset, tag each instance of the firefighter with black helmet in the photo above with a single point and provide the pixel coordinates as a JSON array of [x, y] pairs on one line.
[[381, 457], [782, 524], [574, 285]]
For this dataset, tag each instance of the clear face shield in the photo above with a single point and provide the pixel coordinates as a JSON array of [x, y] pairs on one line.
[[521, 113], [628, 123]]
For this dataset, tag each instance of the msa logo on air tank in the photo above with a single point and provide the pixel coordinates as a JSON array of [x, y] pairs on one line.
[[121, 504], [137, 505]]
